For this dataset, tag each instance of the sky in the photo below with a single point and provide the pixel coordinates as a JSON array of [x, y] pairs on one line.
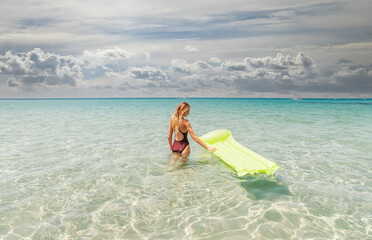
[[195, 48]]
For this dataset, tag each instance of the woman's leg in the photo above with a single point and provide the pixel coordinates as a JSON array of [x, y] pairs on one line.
[[176, 155], [185, 153]]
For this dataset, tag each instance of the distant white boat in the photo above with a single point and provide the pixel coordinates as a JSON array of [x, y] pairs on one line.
[[297, 98]]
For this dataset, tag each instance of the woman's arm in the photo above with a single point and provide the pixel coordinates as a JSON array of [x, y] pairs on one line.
[[196, 139], [170, 134]]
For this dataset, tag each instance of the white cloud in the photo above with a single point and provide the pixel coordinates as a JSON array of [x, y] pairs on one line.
[[104, 57], [234, 66], [214, 60], [189, 48], [147, 56], [39, 68], [148, 73], [273, 68], [111, 74], [182, 66]]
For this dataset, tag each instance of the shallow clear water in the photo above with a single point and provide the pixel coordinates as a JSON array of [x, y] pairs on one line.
[[99, 169]]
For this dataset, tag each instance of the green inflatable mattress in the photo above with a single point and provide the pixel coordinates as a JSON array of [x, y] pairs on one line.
[[240, 158]]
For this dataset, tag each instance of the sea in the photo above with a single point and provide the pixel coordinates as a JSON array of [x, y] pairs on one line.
[[101, 169]]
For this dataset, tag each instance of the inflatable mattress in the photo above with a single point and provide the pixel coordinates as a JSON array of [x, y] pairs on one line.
[[240, 158]]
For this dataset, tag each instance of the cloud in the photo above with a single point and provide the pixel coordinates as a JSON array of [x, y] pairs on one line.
[[112, 23], [249, 71], [148, 73], [280, 74], [353, 78], [12, 83], [39, 68], [214, 60], [108, 70], [182, 66], [104, 57], [189, 48], [235, 66]]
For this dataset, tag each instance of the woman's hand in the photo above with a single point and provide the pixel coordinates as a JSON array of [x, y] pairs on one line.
[[212, 149]]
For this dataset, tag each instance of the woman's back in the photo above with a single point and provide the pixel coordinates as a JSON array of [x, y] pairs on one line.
[[182, 133], [181, 127]]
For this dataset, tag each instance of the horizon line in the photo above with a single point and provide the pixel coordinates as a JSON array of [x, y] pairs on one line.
[[95, 98]]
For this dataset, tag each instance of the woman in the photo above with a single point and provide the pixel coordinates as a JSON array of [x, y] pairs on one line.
[[180, 127]]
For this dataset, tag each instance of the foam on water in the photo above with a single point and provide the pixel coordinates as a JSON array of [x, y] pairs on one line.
[[99, 169]]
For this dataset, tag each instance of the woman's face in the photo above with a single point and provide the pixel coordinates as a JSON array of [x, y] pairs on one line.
[[187, 112]]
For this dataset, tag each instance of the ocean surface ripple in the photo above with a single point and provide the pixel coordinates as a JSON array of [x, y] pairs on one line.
[[100, 169]]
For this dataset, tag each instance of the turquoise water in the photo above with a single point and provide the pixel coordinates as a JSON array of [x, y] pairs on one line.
[[100, 169]]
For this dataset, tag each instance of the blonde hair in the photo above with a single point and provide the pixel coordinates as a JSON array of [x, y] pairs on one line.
[[178, 114]]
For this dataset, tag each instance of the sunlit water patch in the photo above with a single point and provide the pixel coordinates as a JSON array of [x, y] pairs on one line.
[[100, 169]]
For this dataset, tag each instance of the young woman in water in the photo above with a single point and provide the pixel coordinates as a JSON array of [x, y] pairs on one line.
[[180, 126]]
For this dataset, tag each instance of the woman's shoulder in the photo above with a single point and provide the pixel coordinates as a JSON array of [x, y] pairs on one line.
[[186, 122]]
